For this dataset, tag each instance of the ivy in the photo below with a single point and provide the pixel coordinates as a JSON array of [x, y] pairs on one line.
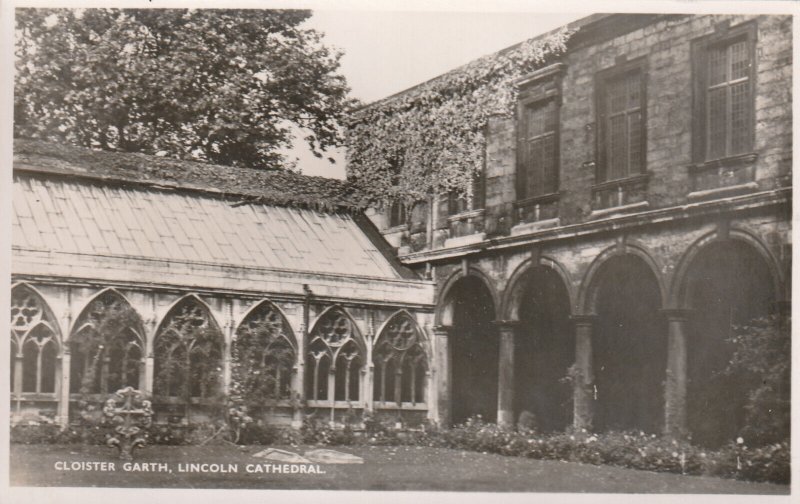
[[430, 140]]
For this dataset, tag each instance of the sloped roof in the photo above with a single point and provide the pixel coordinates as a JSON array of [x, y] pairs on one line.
[[55, 212], [274, 187]]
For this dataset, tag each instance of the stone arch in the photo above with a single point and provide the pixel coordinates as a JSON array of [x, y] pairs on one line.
[[678, 296], [264, 354], [587, 294], [444, 306], [36, 343], [188, 338], [516, 285], [401, 361], [540, 303], [468, 306], [624, 290], [335, 358], [724, 283], [290, 333], [107, 342]]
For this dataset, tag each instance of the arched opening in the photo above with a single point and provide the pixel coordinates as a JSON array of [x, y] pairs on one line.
[[727, 284], [400, 364], [630, 347], [334, 360], [107, 346], [475, 349], [34, 344], [188, 350], [544, 350], [263, 356]]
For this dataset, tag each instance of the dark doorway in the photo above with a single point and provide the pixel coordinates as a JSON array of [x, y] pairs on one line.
[[729, 284], [630, 351], [544, 350], [474, 347]]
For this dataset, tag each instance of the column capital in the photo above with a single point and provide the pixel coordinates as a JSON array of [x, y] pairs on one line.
[[442, 330], [676, 313], [584, 320], [505, 324]]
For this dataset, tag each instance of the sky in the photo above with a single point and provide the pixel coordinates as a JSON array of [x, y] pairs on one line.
[[386, 52]]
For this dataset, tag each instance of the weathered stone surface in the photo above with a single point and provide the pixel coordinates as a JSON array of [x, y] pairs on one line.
[[282, 456], [332, 457]]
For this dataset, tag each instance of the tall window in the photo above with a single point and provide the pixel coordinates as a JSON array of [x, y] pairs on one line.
[[397, 214], [34, 344], [188, 353], [334, 360], [107, 347], [400, 363], [621, 122], [538, 149], [724, 82], [263, 356]]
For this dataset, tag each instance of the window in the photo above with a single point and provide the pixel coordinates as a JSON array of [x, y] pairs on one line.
[[724, 85], [400, 363], [621, 122], [188, 353], [334, 360], [34, 344], [397, 214], [107, 347], [538, 149]]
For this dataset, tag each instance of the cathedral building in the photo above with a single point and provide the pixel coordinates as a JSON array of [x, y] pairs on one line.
[[633, 211]]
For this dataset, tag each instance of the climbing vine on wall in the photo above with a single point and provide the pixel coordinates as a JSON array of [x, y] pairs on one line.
[[430, 140]]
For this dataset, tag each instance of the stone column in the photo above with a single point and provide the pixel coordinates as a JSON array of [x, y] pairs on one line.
[[583, 391], [505, 369], [443, 366], [149, 366], [675, 392], [18, 360], [63, 403]]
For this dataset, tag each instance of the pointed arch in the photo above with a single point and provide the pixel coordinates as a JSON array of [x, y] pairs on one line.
[[400, 360], [107, 344], [188, 348], [35, 341], [335, 358], [263, 355]]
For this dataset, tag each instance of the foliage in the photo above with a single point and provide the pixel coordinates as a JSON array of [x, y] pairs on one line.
[[430, 140], [218, 85], [762, 356], [260, 355], [190, 350], [104, 329]]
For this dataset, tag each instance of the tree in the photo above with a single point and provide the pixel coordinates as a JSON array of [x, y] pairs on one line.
[[225, 86], [762, 358]]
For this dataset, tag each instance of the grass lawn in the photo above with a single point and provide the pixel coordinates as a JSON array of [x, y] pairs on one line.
[[384, 468]]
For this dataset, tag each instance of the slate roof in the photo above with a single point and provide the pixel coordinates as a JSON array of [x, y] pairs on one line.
[[56, 212], [275, 187]]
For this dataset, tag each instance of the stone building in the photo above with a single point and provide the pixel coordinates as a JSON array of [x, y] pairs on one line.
[[195, 255], [635, 209]]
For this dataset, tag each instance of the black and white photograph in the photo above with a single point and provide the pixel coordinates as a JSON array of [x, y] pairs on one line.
[[435, 251]]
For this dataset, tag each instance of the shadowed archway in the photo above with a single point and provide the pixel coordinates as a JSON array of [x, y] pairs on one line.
[[728, 283], [474, 347], [630, 351], [544, 350]]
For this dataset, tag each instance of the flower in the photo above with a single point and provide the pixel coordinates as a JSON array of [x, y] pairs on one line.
[[739, 440], [675, 454]]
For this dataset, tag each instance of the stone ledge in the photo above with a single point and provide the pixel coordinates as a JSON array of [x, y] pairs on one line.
[[529, 227], [717, 192], [460, 241], [606, 212]]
